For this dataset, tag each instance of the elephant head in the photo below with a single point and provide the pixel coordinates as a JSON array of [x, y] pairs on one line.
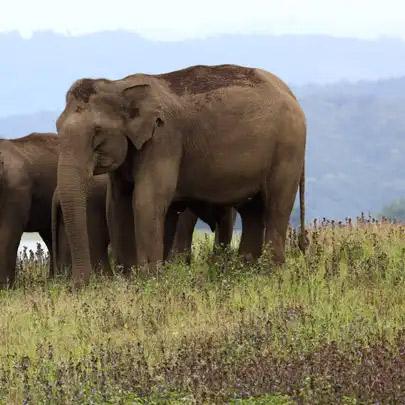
[[100, 119]]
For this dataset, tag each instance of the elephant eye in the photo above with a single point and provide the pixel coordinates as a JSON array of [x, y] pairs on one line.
[[99, 144], [98, 140], [133, 112]]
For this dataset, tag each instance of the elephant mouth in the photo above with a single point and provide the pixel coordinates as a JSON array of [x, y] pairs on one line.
[[104, 164]]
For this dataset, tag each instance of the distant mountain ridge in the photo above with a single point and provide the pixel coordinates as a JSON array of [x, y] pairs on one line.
[[18, 125], [356, 131], [35, 73]]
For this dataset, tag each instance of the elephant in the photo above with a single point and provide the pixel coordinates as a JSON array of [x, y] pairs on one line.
[[178, 233], [227, 135], [28, 168], [97, 229], [220, 219]]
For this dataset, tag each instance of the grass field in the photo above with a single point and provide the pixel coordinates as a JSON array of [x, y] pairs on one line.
[[327, 327]]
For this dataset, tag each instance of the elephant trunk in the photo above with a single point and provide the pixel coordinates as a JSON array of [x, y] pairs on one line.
[[73, 189]]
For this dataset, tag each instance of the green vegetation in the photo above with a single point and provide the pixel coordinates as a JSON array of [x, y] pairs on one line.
[[327, 327]]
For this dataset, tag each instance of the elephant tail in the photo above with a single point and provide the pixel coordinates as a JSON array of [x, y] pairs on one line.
[[303, 242]]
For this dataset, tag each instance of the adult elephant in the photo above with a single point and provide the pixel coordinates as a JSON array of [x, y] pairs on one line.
[[98, 234], [27, 181], [220, 134]]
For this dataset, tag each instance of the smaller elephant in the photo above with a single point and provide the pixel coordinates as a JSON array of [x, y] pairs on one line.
[[220, 219], [27, 181], [97, 229]]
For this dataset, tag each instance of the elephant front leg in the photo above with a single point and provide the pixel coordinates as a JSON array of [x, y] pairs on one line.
[[149, 234], [155, 176], [150, 206]]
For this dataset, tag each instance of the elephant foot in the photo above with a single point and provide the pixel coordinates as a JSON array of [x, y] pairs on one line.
[[106, 270], [149, 270], [7, 283], [247, 258], [123, 270], [5, 286], [278, 259]]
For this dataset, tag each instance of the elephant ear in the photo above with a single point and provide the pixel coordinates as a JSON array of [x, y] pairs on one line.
[[143, 113]]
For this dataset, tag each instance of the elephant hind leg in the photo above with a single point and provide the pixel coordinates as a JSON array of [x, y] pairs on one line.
[[224, 227], [10, 239], [13, 218], [278, 197], [251, 243], [184, 234]]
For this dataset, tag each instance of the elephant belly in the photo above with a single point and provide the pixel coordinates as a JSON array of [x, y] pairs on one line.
[[220, 181], [227, 164]]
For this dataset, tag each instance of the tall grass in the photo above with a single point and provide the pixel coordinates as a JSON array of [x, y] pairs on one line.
[[323, 328]]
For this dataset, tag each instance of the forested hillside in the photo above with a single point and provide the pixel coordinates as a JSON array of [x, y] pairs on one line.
[[356, 146]]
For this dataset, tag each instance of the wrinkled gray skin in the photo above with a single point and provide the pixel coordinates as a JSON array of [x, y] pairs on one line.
[[27, 180], [99, 238], [226, 135]]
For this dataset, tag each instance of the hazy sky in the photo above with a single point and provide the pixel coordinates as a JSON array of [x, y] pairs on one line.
[[181, 19]]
